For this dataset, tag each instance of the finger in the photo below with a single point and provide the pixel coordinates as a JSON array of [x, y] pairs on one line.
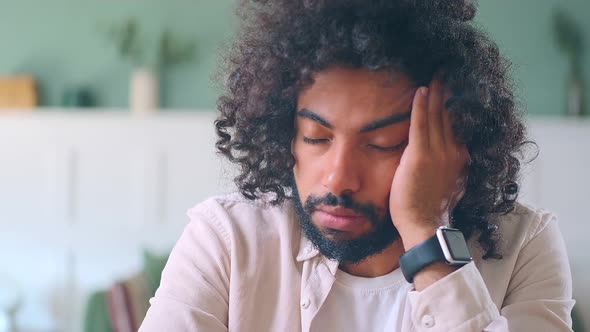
[[435, 110], [419, 119]]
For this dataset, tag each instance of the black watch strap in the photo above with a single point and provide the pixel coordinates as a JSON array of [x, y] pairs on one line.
[[420, 256]]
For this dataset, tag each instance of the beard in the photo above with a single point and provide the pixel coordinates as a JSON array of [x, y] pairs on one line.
[[350, 251]]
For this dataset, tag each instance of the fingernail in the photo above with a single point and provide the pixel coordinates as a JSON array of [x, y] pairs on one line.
[[424, 91]]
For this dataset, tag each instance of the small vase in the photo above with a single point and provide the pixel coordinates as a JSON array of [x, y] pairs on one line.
[[144, 91], [575, 95]]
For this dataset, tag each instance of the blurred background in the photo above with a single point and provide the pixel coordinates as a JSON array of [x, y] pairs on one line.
[[106, 139]]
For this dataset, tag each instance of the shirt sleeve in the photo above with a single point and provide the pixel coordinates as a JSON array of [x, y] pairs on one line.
[[193, 292], [538, 298]]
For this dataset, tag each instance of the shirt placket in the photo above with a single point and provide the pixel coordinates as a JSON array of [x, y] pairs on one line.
[[317, 279]]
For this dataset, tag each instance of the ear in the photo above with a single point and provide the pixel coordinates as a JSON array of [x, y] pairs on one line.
[[461, 187]]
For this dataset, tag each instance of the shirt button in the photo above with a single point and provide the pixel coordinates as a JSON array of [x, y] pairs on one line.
[[427, 321], [305, 303]]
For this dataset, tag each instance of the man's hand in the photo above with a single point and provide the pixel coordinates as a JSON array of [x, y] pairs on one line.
[[430, 178]]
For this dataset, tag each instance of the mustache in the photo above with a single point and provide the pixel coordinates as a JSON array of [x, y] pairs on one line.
[[345, 201]]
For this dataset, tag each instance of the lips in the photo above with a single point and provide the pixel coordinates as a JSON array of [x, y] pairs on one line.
[[340, 219], [339, 212]]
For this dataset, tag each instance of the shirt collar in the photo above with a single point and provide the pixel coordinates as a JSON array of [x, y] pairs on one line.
[[306, 249]]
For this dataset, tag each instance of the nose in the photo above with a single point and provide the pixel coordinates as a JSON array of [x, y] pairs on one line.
[[342, 171]]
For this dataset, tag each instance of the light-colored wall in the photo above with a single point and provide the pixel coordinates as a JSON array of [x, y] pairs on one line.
[[59, 42]]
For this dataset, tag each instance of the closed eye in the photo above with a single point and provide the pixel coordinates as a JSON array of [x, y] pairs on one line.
[[314, 140], [389, 148], [373, 146]]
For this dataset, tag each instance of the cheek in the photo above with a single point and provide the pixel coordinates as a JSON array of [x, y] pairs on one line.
[[381, 177]]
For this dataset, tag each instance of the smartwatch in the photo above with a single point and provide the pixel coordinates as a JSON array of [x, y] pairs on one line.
[[447, 245]]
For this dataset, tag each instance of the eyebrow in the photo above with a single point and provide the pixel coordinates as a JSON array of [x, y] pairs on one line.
[[305, 113], [392, 119]]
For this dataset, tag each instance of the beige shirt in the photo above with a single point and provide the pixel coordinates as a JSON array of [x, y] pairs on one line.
[[245, 266]]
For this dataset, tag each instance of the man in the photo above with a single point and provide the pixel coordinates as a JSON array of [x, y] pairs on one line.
[[379, 147]]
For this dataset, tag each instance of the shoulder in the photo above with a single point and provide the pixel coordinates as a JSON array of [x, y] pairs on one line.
[[523, 224], [518, 228], [235, 208], [230, 201], [531, 247], [238, 219]]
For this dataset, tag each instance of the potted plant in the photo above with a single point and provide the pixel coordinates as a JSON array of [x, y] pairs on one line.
[[144, 88], [570, 41]]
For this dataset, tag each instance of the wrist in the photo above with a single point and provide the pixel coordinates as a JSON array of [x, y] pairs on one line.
[[417, 235], [430, 258]]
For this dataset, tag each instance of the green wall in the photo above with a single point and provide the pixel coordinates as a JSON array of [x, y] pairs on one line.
[[59, 41], [523, 30]]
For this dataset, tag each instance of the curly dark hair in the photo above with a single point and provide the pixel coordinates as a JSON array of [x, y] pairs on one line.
[[281, 45]]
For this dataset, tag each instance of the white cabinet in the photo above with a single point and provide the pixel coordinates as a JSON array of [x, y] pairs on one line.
[[559, 180], [82, 193]]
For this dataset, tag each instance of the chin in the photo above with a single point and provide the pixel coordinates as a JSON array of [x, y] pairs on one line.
[[339, 235]]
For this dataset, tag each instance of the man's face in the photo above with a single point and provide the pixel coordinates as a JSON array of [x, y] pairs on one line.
[[352, 126]]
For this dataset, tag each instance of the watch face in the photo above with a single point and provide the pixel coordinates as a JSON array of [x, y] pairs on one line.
[[457, 245]]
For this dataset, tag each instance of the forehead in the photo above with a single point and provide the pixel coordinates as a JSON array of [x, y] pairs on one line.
[[357, 93]]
